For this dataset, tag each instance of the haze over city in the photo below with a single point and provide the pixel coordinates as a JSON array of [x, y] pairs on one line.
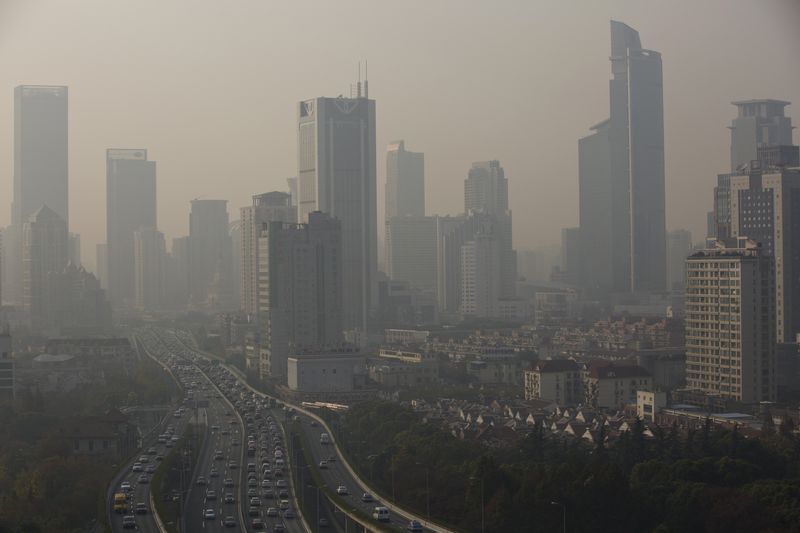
[[210, 89]]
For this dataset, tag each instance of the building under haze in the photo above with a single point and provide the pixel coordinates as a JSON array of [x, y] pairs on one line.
[[149, 266], [44, 253], [267, 207], [41, 172], [209, 252], [130, 206], [758, 123], [405, 182], [679, 246], [300, 290], [730, 322], [621, 176], [337, 176], [411, 251]]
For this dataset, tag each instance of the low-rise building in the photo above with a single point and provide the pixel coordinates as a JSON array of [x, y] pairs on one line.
[[558, 380], [406, 337], [649, 404], [611, 386], [325, 372]]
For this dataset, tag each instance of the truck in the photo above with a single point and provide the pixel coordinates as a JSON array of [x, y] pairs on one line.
[[120, 503]]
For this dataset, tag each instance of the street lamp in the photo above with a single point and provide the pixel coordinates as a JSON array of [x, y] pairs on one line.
[[427, 488], [483, 505], [563, 514]]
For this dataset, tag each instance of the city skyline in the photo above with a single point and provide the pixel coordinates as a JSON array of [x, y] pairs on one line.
[[545, 179]]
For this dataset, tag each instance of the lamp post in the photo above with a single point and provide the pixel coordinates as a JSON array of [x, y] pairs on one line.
[[483, 505], [427, 489], [563, 514]]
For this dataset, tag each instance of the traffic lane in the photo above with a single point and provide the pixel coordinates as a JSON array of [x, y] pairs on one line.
[[336, 474]]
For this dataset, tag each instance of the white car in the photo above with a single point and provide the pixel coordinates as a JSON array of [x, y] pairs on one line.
[[341, 490], [209, 514]]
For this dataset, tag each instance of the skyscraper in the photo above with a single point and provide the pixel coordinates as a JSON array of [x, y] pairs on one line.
[[130, 205], [209, 251], [299, 289], [411, 251], [267, 207], [149, 253], [405, 182], [621, 175], [336, 175], [679, 246], [730, 322], [44, 253], [758, 123], [41, 175]]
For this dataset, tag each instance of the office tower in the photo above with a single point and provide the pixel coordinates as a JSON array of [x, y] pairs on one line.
[[405, 182], [486, 192], [101, 264], [411, 251], [149, 253], [730, 322], [292, 184], [679, 246], [235, 234], [267, 207], [571, 255], [621, 176], [7, 377], [210, 252], [178, 273], [300, 289], [40, 168], [74, 248], [44, 251], [130, 205], [336, 175], [758, 123], [765, 207]]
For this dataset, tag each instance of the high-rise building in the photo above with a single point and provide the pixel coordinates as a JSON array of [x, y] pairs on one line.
[[210, 252], [41, 175], [149, 253], [621, 176], [730, 322], [679, 246], [130, 205], [292, 184], [486, 188], [405, 182], [44, 252], [77, 305], [7, 378], [571, 255], [299, 290], [480, 276], [74, 248], [178, 273], [411, 251], [235, 233], [336, 175], [759, 123], [267, 207], [101, 264]]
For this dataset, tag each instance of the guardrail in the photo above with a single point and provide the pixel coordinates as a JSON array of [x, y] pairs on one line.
[[363, 485]]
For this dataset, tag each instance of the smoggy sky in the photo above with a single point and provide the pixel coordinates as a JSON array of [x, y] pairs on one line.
[[209, 87]]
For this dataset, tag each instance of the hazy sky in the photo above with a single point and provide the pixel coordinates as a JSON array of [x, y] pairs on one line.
[[209, 87]]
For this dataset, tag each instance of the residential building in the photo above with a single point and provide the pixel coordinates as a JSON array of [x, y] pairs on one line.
[[44, 252], [149, 258], [300, 290], [405, 182], [130, 206], [557, 380], [609, 385], [621, 176], [730, 322], [337, 176], [6, 367], [267, 207], [649, 404]]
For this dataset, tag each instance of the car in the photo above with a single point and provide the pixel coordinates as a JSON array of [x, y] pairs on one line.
[[281, 483], [150, 469], [251, 493], [283, 505], [283, 493], [137, 467], [414, 526], [323, 522], [209, 514], [381, 514], [159, 457], [144, 459], [265, 483], [232, 465], [278, 528], [323, 465], [252, 482], [125, 486], [218, 455], [268, 493], [230, 498], [141, 508], [228, 482], [211, 494], [272, 512], [202, 481], [341, 490], [257, 523], [129, 522], [331, 458], [151, 451], [366, 497], [143, 479], [229, 522], [255, 502], [288, 513], [253, 511]]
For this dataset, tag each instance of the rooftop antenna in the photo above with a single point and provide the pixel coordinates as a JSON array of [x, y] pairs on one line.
[[358, 85], [366, 82]]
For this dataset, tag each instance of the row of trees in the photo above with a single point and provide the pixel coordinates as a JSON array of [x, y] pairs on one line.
[[705, 481]]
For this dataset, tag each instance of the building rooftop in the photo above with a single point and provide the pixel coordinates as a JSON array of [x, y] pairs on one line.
[[556, 365]]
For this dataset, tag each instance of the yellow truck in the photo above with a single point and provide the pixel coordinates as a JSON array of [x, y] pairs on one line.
[[120, 503]]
